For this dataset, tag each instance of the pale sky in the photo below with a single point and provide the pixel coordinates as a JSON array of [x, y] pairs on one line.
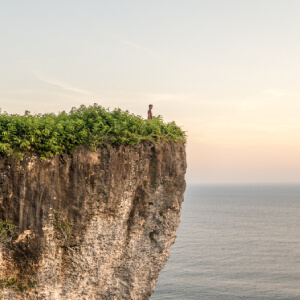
[[226, 71]]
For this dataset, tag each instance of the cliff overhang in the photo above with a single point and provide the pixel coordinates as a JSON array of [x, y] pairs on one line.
[[91, 224]]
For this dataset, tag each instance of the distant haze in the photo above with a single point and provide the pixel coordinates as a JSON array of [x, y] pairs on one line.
[[226, 71]]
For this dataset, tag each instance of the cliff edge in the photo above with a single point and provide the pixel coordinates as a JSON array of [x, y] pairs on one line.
[[91, 224]]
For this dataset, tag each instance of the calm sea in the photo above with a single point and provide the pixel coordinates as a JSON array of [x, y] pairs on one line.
[[235, 242]]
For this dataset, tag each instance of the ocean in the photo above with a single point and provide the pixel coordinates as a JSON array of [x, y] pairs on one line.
[[235, 242]]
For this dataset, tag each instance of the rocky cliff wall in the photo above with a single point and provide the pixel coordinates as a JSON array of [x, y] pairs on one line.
[[91, 225]]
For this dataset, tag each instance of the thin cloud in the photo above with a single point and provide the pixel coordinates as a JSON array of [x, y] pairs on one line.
[[129, 43], [60, 84]]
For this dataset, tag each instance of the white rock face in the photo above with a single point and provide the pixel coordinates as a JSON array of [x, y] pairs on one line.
[[92, 225]]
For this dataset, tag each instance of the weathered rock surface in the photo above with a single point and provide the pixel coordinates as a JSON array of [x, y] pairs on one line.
[[91, 225]]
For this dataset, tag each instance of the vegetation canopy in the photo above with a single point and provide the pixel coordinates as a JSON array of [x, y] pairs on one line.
[[92, 126]]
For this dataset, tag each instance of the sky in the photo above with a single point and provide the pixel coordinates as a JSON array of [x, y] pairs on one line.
[[227, 71]]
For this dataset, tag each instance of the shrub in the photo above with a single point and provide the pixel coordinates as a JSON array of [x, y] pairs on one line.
[[16, 284], [7, 231], [5, 282], [61, 224], [51, 134]]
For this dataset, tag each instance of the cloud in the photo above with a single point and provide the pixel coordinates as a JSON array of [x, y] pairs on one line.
[[128, 43], [60, 84]]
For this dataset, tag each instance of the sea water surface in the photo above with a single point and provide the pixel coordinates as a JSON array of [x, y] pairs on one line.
[[235, 242]]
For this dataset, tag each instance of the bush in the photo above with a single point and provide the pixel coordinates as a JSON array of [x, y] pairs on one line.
[[61, 224], [51, 134], [16, 284], [7, 231], [5, 282]]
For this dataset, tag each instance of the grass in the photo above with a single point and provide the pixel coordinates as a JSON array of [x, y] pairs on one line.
[[50, 134]]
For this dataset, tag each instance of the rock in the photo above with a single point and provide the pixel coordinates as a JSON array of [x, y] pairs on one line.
[[91, 225]]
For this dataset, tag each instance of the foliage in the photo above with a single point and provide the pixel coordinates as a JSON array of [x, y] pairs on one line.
[[16, 284], [62, 225], [5, 282], [51, 134], [7, 231]]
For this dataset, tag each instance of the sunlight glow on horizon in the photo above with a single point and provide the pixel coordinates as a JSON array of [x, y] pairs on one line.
[[226, 71]]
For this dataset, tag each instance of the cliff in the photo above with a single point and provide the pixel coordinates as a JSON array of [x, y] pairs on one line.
[[90, 225]]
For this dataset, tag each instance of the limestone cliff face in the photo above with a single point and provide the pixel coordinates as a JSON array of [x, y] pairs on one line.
[[91, 225]]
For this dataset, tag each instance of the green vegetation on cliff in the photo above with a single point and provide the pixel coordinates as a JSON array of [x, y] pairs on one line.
[[7, 231], [92, 126]]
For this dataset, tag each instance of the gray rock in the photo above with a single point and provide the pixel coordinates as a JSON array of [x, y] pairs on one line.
[[91, 225]]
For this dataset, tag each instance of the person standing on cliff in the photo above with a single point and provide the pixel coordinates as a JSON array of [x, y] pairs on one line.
[[150, 112]]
